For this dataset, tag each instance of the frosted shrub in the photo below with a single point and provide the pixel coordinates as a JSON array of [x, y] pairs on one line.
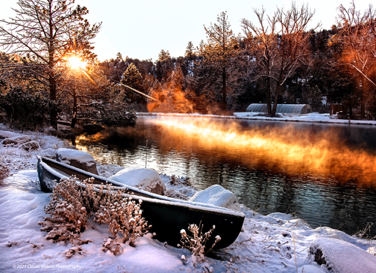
[[74, 202], [197, 242], [68, 212], [3, 171], [123, 215]]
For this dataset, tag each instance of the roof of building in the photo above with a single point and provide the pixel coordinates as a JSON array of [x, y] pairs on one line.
[[281, 108]]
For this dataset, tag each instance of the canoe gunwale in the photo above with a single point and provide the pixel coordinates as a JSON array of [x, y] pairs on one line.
[[154, 198]]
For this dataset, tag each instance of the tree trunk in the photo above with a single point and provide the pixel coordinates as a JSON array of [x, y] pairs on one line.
[[53, 113], [350, 110], [276, 100], [362, 100], [268, 97], [74, 119], [224, 95], [51, 64]]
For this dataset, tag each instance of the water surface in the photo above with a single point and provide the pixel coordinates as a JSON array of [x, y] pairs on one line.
[[324, 174]]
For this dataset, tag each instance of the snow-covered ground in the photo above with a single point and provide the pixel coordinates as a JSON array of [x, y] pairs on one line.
[[273, 243]]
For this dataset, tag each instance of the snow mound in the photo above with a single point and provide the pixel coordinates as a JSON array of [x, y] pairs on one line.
[[145, 179], [78, 159], [218, 196], [49, 152], [341, 256], [7, 134]]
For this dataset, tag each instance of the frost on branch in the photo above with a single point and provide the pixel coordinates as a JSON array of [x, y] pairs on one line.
[[197, 242], [123, 215], [112, 246]]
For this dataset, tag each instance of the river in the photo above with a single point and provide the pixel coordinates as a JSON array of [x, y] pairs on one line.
[[323, 174]]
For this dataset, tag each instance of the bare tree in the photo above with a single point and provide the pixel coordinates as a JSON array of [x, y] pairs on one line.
[[357, 34], [279, 44], [261, 41], [44, 31], [220, 48]]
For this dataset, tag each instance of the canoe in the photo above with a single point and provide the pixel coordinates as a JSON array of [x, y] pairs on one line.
[[168, 216]]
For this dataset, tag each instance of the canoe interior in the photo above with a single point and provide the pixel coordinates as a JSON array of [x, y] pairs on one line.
[[167, 218]]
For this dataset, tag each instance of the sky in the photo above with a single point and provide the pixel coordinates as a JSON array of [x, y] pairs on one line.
[[141, 29]]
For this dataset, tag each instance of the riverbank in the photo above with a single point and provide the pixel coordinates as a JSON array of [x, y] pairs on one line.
[[273, 243], [311, 118]]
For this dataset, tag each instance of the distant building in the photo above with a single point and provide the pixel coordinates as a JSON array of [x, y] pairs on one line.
[[289, 109]]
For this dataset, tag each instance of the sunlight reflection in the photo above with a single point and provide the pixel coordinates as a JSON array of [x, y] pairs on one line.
[[291, 150]]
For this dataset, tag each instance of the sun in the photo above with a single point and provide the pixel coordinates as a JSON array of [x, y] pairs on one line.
[[75, 62]]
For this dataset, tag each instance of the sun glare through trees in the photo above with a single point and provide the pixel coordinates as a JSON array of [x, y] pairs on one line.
[[75, 62]]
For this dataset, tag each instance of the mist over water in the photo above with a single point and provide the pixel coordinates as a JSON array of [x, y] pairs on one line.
[[323, 174]]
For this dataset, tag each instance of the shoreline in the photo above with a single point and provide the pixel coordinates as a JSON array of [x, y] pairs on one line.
[[249, 116]]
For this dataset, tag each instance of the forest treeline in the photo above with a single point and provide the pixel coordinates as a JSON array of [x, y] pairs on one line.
[[48, 71], [288, 64]]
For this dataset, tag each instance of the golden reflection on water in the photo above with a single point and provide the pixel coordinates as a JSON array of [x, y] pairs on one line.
[[285, 149], [291, 150]]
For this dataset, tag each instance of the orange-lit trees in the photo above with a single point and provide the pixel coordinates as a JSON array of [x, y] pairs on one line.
[[357, 35], [279, 45], [42, 30], [171, 94], [220, 48]]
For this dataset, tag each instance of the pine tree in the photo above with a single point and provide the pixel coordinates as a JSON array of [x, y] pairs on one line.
[[189, 52], [119, 57], [133, 78], [164, 56], [220, 47]]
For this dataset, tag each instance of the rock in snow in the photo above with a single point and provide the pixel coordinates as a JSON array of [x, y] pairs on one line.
[[144, 179], [218, 196], [79, 159], [342, 257]]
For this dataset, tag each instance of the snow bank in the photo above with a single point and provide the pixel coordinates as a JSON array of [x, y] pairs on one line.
[[341, 257], [218, 196], [49, 152], [79, 159], [7, 134], [17, 140], [144, 179]]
